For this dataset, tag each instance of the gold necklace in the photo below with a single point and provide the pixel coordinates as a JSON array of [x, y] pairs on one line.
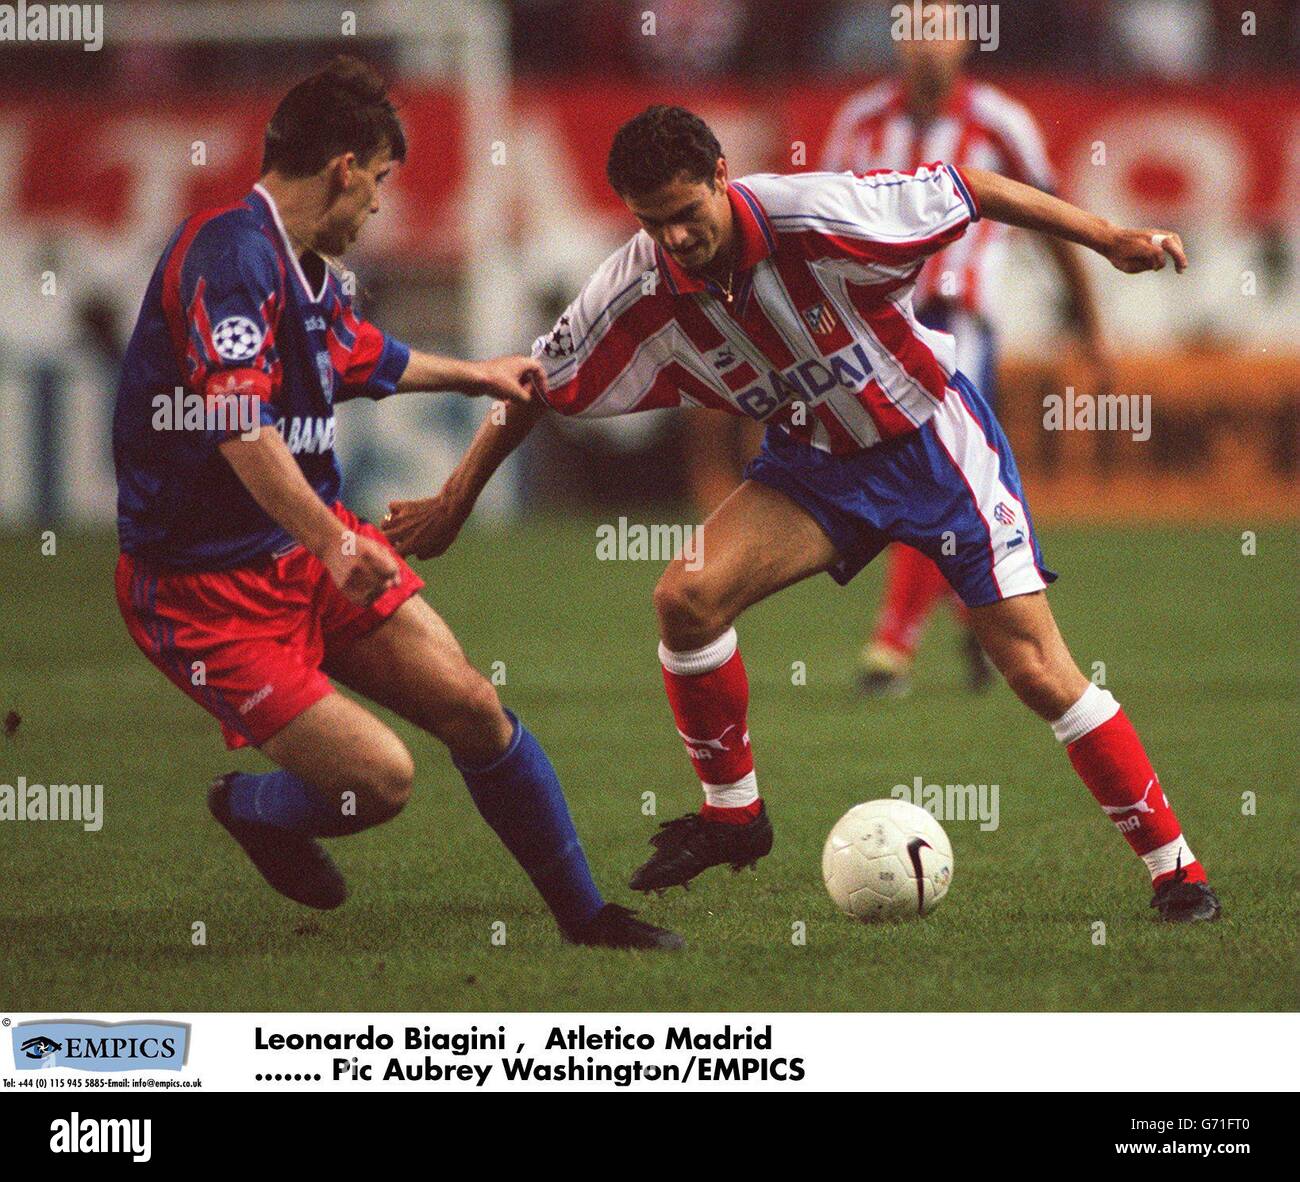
[[731, 279]]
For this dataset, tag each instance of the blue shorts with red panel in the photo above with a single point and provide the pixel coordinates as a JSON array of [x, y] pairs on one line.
[[250, 644], [950, 488]]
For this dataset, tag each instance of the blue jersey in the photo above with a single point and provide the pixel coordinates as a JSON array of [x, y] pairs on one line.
[[236, 334]]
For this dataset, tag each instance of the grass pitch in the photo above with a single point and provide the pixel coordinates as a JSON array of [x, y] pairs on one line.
[[1198, 641]]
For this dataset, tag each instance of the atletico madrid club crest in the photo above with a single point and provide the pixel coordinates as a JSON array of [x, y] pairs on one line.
[[820, 319]]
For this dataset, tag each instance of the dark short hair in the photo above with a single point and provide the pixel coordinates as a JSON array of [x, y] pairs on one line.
[[657, 147], [343, 108]]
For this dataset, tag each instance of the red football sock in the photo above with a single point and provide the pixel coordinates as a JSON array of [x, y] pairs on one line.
[[1110, 759], [913, 585], [709, 693]]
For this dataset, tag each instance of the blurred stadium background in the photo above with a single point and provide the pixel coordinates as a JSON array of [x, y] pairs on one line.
[[503, 210], [491, 227]]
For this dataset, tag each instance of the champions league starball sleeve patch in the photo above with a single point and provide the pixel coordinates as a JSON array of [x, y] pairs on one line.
[[237, 338]]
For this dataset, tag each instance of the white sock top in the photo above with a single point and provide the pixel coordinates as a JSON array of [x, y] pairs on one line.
[[700, 660], [1092, 709]]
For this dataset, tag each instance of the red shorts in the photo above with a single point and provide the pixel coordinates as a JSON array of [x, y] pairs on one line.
[[248, 644]]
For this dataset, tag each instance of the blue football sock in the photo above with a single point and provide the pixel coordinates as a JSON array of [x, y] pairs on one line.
[[281, 799], [519, 795]]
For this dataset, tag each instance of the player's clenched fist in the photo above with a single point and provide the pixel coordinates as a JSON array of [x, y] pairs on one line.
[[424, 528], [362, 567], [515, 379], [1134, 251]]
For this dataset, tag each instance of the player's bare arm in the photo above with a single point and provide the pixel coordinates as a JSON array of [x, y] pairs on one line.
[[360, 566], [1130, 251], [426, 528], [514, 379]]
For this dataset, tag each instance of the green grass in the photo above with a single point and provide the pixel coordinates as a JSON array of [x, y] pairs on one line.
[[1198, 641]]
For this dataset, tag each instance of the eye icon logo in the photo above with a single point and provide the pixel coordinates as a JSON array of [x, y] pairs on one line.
[[99, 1046], [40, 1047]]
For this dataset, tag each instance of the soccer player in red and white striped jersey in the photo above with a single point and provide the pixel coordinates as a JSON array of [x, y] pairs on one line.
[[931, 111], [788, 299]]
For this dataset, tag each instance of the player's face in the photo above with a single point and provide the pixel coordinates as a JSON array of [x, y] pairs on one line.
[[690, 220], [356, 199], [932, 66]]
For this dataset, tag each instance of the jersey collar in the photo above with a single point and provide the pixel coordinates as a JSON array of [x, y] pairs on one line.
[[294, 261], [756, 242]]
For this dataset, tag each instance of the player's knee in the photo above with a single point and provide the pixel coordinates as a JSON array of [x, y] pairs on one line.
[[689, 614], [384, 783], [473, 724], [1037, 679]]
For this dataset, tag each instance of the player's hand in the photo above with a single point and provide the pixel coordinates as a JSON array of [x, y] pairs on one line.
[[514, 379], [424, 528], [1135, 251], [362, 568]]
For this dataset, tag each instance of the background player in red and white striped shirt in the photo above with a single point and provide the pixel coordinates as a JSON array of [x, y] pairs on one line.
[[931, 111], [788, 299]]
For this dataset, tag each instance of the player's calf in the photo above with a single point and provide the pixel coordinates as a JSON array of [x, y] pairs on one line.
[[757, 542], [1022, 638], [413, 665]]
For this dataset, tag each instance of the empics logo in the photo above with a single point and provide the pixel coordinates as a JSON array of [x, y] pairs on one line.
[[89, 1134], [100, 1046]]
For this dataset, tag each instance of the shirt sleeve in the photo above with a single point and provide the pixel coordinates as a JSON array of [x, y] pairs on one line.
[[369, 361], [612, 351], [894, 219], [231, 293]]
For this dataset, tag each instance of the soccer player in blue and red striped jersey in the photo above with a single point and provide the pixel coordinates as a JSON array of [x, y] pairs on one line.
[[789, 299], [247, 582]]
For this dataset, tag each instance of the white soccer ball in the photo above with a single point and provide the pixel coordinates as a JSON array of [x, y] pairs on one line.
[[887, 859]]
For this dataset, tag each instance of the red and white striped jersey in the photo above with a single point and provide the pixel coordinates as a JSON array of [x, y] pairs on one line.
[[819, 338], [979, 127]]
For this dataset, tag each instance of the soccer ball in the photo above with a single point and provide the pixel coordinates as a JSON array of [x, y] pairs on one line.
[[887, 859]]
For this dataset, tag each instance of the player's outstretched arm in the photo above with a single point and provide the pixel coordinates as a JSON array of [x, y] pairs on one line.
[[361, 567], [427, 528], [514, 379], [1131, 251]]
